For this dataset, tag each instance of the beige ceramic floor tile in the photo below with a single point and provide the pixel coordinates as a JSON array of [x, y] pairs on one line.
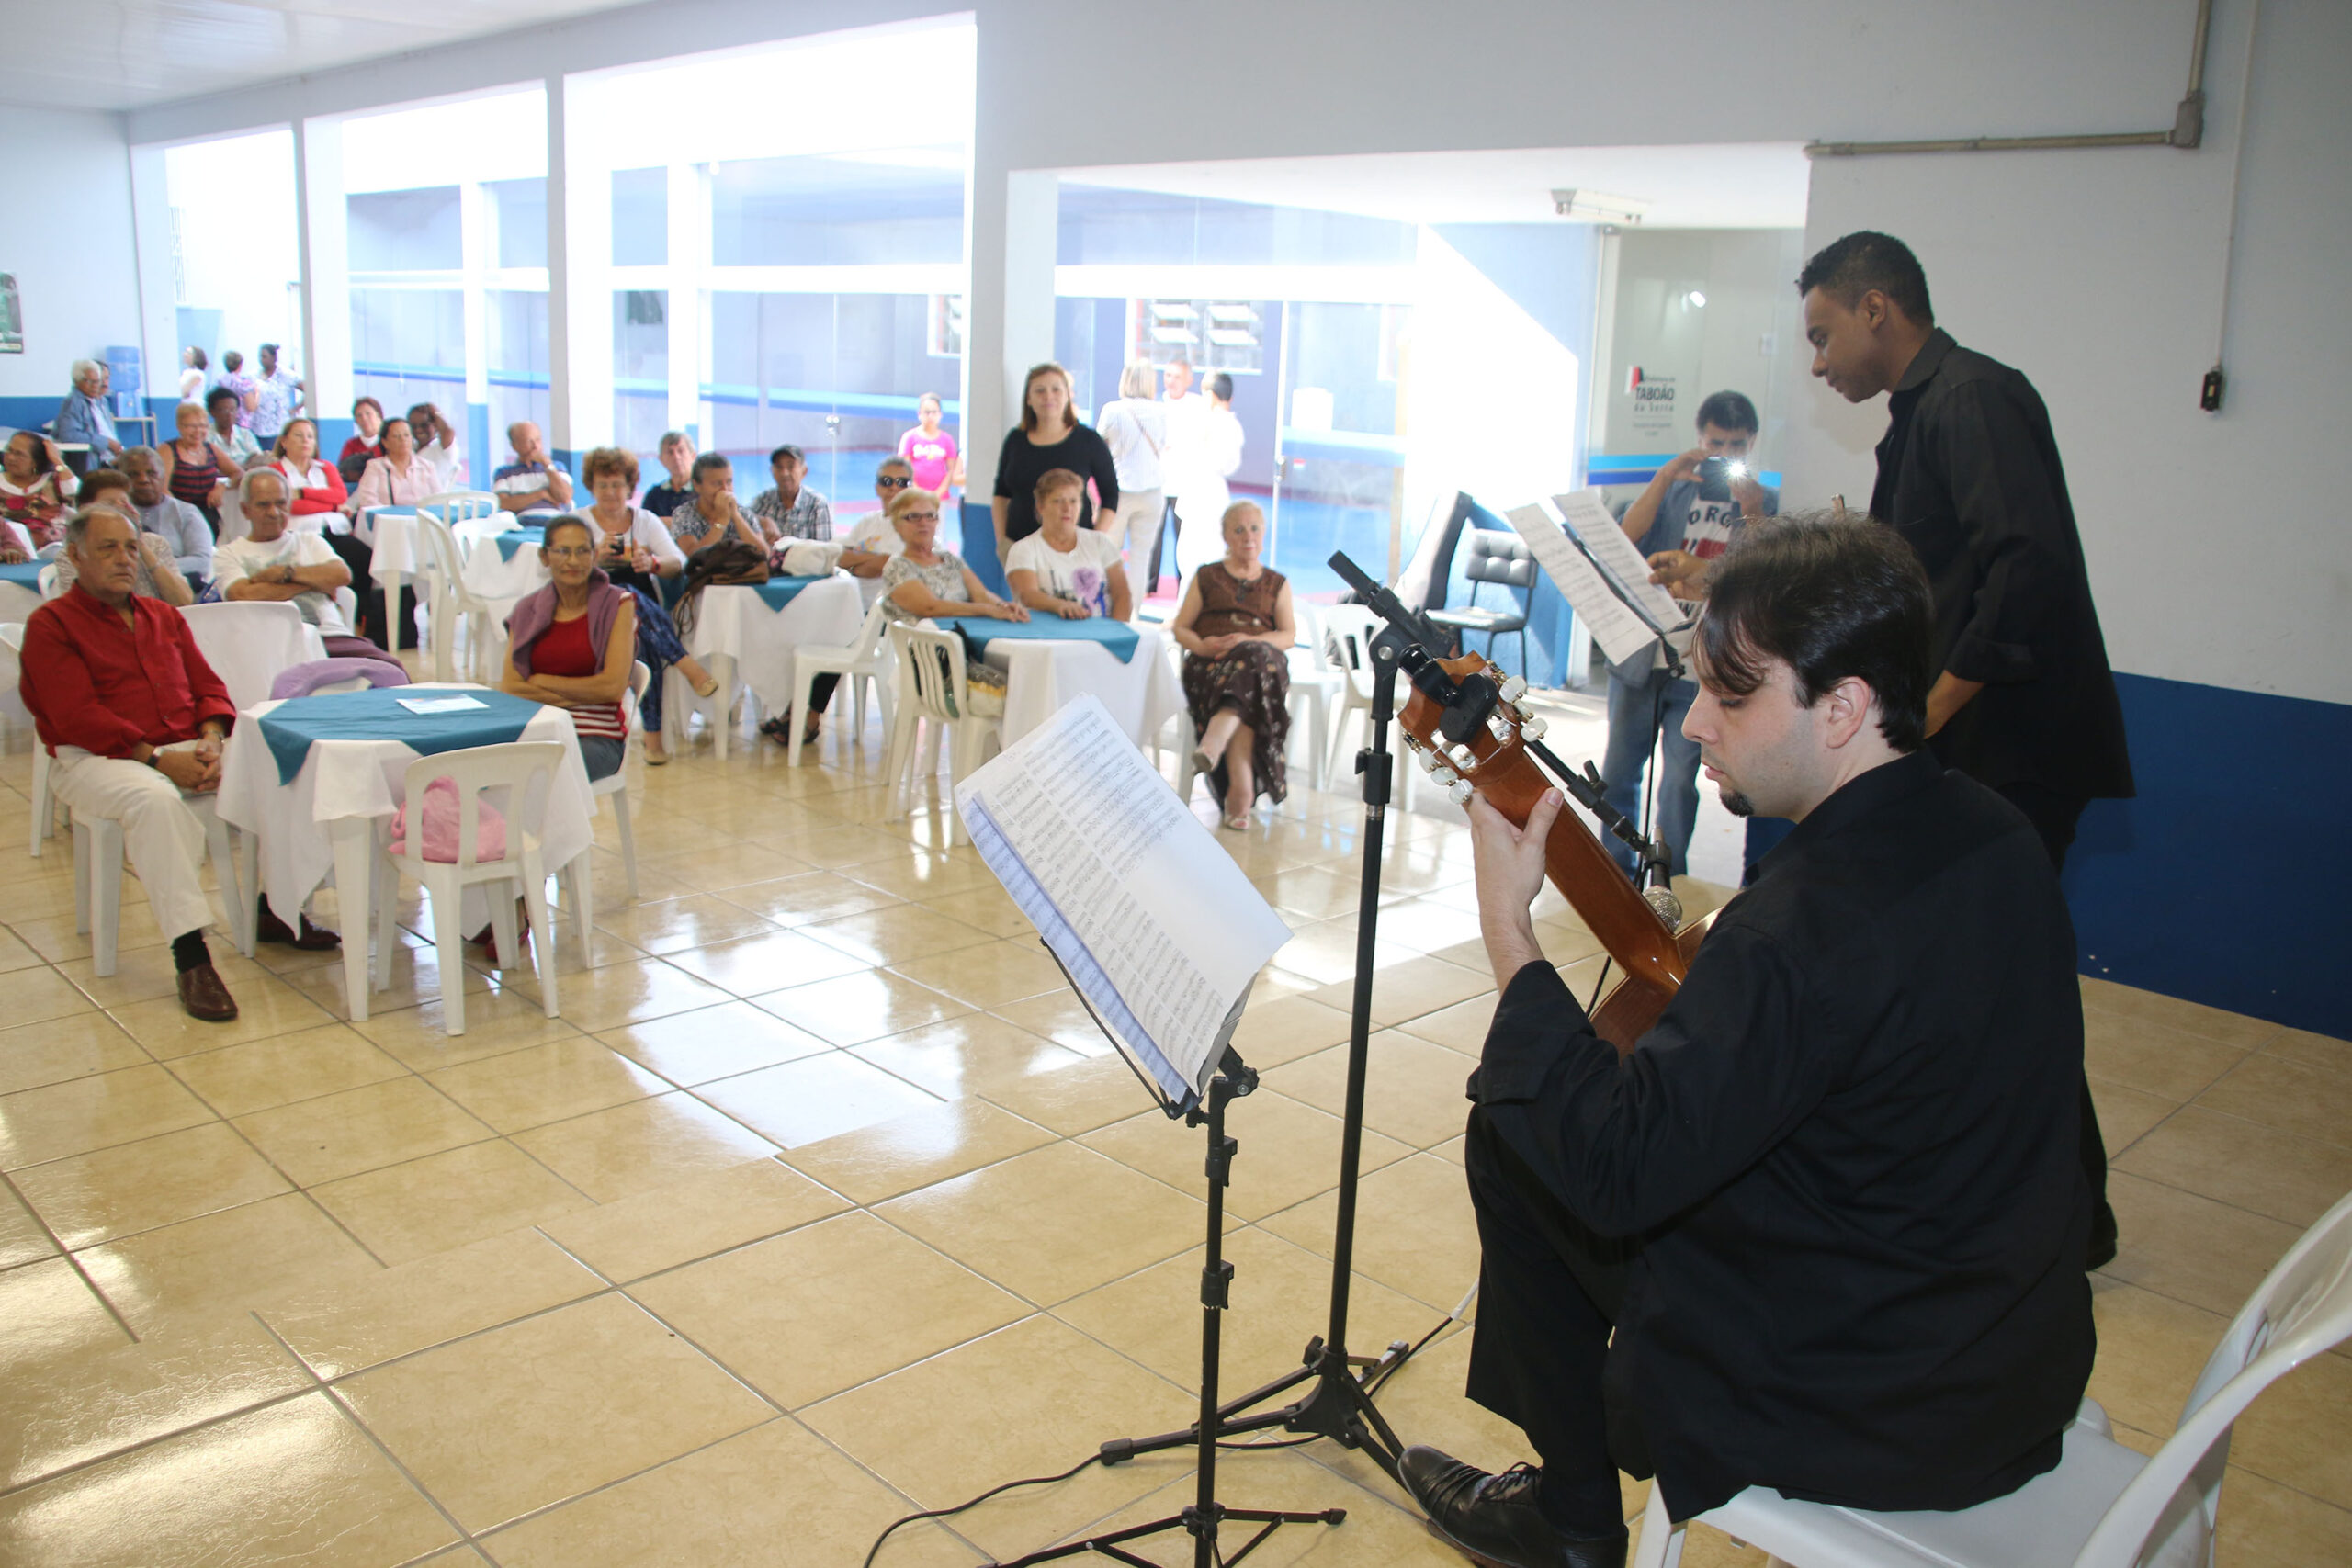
[[1045, 1393], [1462, 1027], [2244, 1163], [15, 954], [416, 980], [94, 1112], [1381, 1529], [51, 1316], [826, 1307], [1075, 1099], [1409, 988], [2125, 1115], [201, 1270], [2229, 1028], [675, 925], [2300, 1432], [2264, 1525], [418, 1037], [37, 995], [541, 1410], [22, 1237], [1414, 1229], [143, 974], [2312, 1101], [859, 1008], [427, 1302], [1290, 1151], [34, 1055], [1057, 1016], [646, 1143], [1310, 892], [2141, 1054], [690, 1048], [924, 877], [269, 1073], [1052, 1223], [987, 977], [2192, 1249], [816, 1097], [917, 1149], [972, 1054], [83, 1408], [293, 1482], [545, 1083], [264, 1007], [361, 1129], [665, 1226], [802, 900], [118, 1192], [2311, 1050], [1281, 1297], [728, 866], [427, 1205], [776, 1496], [987, 907], [751, 966], [1413, 1091], [631, 993], [1282, 1029], [897, 935], [1325, 953], [2151, 1350]]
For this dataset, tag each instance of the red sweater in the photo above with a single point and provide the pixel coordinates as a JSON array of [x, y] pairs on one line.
[[91, 681], [328, 497]]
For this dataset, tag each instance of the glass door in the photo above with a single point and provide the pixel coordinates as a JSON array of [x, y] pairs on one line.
[[1339, 471]]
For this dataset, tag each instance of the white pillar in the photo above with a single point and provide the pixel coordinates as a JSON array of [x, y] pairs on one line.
[[478, 247], [580, 284], [1014, 219], [159, 317], [322, 237], [688, 210]]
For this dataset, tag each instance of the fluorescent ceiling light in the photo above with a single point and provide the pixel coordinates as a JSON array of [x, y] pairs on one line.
[[1598, 207]]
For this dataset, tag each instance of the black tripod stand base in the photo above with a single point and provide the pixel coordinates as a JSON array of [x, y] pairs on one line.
[[1339, 1408], [1113, 1544]]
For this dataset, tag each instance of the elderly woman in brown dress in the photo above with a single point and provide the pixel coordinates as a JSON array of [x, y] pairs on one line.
[[1235, 627]]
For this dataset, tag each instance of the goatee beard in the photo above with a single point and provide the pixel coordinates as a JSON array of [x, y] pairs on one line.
[[1738, 803]]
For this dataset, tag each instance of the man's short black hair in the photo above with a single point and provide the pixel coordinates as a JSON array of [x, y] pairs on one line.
[[1830, 597], [1729, 410], [1865, 260], [706, 463], [1221, 386]]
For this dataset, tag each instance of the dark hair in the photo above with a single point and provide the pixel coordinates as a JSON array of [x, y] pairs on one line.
[[103, 479], [1865, 260], [1831, 598], [1221, 386], [367, 403], [609, 460], [788, 450], [1069, 408], [1052, 480], [215, 395], [277, 447], [268, 348], [430, 412], [1729, 410], [706, 463], [234, 361], [569, 520], [196, 357]]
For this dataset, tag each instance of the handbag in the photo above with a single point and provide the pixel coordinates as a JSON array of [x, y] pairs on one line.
[[725, 560]]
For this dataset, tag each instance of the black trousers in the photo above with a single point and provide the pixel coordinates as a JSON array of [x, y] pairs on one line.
[[1548, 1293], [374, 624], [2054, 817]]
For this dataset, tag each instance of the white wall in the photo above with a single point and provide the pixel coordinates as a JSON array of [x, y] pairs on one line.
[[69, 242], [2097, 273]]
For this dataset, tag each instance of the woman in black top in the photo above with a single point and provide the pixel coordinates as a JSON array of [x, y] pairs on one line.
[[1049, 437]]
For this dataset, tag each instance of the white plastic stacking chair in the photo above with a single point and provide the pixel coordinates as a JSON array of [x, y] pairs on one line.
[[44, 805], [521, 772], [249, 642], [46, 580], [861, 662], [577, 881], [2104, 1507], [935, 701], [463, 512], [452, 601], [1315, 685], [97, 881]]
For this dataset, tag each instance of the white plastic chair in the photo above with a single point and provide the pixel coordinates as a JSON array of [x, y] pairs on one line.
[[861, 662], [249, 642], [935, 701], [461, 513], [2104, 1507], [46, 580], [97, 881], [1315, 685], [451, 599], [44, 806], [522, 771]]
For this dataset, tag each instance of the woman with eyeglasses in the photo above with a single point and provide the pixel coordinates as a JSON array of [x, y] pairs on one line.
[[923, 580], [635, 551], [574, 642]]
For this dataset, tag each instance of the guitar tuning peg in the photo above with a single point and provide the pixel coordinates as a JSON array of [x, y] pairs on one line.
[[1462, 756], [1513, 688], [1442, 775], [1534, 728], [1459, 792]]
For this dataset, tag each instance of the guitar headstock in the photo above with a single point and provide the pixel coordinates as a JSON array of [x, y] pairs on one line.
[[1485, 727]]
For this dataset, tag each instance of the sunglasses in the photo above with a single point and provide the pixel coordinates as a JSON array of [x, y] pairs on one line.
[[886, 482]]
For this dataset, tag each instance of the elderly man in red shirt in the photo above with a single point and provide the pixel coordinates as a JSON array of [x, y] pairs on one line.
[[134, 718]]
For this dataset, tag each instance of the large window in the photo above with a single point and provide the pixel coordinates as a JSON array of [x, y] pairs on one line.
[[235, 271]]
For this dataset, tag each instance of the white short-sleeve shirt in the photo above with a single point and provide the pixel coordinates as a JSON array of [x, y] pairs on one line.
[[1082, 572], [240, 558]]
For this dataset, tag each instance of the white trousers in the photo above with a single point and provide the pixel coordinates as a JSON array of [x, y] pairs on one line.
[[1131, 527], [163, 838]]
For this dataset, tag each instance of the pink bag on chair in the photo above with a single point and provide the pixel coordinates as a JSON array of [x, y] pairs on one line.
[[441, 826]]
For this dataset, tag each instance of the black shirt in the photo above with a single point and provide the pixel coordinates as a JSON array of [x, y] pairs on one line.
[[1850, 1147], [662, 499], [1020, 464], [1969, 473]]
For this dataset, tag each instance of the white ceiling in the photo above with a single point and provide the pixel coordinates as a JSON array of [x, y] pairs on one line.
[[122, 54], [1742, 186]]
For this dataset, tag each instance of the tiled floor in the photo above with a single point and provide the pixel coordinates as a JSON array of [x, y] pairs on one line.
[[822, 1204]]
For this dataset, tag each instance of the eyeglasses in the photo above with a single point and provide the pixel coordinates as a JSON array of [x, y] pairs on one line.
[[918, 516], [571, 552], [886, 482]]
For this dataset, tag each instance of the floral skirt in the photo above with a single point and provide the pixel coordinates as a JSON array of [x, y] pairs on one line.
[[1254, 681]]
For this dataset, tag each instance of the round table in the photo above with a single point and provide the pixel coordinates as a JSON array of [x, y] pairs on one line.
[[325, 820], [739, 637], [1141, 695]]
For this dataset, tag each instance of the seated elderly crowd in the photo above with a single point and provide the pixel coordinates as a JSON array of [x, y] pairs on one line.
[[242, 504]]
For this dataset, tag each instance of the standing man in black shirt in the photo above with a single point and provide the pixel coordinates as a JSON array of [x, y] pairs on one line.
[[1829, 1205], [1968, 473]]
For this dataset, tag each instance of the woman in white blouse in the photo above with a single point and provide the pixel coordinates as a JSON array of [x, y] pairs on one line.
[[633, 548], [1134, 426], [1063, 568], [401, 477]]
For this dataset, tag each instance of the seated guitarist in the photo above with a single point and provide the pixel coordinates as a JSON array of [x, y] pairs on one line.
[[1830, 1205]]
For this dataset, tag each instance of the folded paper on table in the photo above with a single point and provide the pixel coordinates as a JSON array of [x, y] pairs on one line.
[[981, 631], [511, 543], [440, 705], [1157, 926], [778, 591], [291, 726]]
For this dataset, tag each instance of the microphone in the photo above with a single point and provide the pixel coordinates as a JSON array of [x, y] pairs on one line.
[[1659, 894]]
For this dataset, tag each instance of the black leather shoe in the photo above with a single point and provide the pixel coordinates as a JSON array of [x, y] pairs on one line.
[[312, 939], [204, 998], [1493, 1519]]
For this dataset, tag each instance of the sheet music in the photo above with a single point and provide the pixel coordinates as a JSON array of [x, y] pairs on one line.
[[1619, 632], [1588, 514], [1157, 925]]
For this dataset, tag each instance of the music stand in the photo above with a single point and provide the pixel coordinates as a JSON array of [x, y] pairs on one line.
[[1201, 1519]]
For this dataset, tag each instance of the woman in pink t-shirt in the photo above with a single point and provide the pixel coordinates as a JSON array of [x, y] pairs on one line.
[[931, 451]]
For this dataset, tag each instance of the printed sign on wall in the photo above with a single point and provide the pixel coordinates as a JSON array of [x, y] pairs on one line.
[[12, 316]]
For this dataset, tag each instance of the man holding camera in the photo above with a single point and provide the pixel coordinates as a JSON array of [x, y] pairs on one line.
[[1686, 518]]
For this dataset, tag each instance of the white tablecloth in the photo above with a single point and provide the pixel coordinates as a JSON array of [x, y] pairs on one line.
[[734, 623], [16, 603], [325, 820], [493, 577], [1040, 676]]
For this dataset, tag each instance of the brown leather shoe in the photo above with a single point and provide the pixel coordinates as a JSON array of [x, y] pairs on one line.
[[204, 997]]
